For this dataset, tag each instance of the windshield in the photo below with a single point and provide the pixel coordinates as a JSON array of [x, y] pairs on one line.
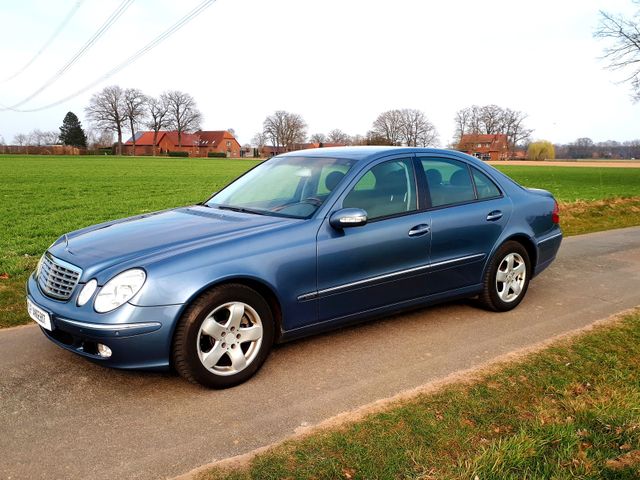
[[284, 186]]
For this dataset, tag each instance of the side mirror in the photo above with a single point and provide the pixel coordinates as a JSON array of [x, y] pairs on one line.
[[348, 217]]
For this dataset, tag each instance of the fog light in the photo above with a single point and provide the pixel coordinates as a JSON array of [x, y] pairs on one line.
[[104, 351], [87, 292]]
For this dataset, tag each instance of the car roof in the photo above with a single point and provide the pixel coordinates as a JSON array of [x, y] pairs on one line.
[[364, 152]]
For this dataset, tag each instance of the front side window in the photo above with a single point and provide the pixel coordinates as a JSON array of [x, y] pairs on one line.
[[449, 181], [287, 186], [387, 189]]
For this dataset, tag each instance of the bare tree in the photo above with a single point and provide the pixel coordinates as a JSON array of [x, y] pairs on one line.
[[623, 52], [416, 129], [99, 138], [318, 138], [338, 136], [157, 117], [492, 120], [358, 139], [259, 140], [107, 111], [34, 137], [513, 127], [463, 123], [374, 138], [20, 139], [135, 111], [49, 137], [184, 115], [388, 127], [284, 129], [1, 140]]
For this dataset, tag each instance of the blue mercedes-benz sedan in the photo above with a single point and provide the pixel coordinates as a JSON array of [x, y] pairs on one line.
[[304, 242]]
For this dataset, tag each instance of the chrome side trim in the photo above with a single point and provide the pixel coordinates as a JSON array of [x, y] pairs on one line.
[[556, 235], [116, 327], [307, 296], [459, 259], [325, 291]]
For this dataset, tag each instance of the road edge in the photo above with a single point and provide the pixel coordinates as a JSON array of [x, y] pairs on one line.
[[460, 376]]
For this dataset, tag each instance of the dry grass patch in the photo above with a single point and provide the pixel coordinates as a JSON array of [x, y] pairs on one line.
[[597, 215]]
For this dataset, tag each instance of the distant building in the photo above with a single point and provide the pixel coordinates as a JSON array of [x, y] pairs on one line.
[[197, 144], [270, 151], [485, 147], [220, 141]]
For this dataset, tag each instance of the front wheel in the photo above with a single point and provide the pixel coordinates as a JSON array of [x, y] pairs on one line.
[[224, 337], [507, 278]]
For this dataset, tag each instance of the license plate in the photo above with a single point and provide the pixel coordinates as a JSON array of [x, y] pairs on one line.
[[41, 317]]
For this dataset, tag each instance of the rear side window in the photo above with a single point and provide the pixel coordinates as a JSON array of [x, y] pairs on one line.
[[484, 185], [449, 181]]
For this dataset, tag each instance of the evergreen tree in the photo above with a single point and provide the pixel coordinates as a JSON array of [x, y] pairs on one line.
[[71, 132]]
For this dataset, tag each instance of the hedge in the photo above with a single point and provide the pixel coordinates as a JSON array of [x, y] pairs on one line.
[[178, 154], [217, 155]]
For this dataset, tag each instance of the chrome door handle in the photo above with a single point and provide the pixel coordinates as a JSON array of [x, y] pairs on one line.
[[495, 215], [419, 230]]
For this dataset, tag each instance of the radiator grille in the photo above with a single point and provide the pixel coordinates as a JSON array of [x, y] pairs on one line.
[[56, 278]]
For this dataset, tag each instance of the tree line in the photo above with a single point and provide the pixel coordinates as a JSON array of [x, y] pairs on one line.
[[586, 148], [115, 111], [119, 110], [407, 126]]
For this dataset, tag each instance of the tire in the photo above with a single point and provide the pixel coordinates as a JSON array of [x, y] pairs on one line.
[[510, 263], [223, 337]]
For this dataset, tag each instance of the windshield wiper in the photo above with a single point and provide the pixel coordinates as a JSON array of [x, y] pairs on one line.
[[240, 209]]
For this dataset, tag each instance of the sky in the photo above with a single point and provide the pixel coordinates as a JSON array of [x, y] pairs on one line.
[[338, 63]]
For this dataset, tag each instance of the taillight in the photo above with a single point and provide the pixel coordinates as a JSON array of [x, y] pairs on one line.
[[555, 215]]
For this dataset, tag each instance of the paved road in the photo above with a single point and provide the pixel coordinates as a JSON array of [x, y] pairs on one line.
[[62, 417]]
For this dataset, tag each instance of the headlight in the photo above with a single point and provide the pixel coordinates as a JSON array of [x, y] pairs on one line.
[[120, 289]]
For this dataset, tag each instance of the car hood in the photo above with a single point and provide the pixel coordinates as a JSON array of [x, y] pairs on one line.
[[145, 237]]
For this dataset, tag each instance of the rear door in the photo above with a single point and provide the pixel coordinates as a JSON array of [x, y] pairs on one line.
[[468, 214]]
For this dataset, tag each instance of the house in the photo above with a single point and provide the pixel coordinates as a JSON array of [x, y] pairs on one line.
[[144, 144], [270, 151], [220, 141], [485, 147], [197, 144], [189, 142]]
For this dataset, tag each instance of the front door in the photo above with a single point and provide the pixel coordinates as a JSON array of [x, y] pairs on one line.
[[383, 262]]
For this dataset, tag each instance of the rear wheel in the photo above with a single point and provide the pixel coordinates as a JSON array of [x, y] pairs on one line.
[[224, 337], [507, 278]]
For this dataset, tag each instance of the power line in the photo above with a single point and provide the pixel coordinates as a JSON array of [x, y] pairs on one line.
[[149, 46], [55, 34], [117, 13]]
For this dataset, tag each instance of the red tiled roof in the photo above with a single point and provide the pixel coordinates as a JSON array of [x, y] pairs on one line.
[[202, 138], [144, 139], [188, 139], [213, 138], [497, 142], [481, 138]]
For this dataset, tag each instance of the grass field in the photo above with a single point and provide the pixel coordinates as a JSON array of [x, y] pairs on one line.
[[569, 184], [43, 197], [570, 411]]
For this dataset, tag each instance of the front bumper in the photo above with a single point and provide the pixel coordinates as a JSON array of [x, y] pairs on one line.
[[139, 337]]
